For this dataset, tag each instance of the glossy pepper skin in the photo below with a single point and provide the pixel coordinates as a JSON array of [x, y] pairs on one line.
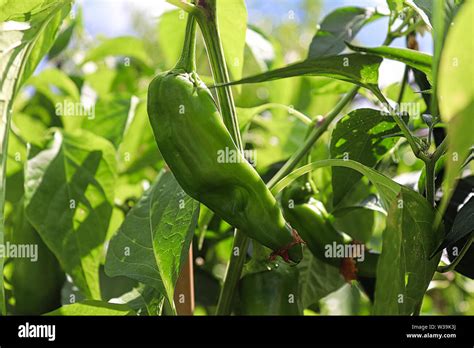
[[191, 137], [310, 218], [272, 292]]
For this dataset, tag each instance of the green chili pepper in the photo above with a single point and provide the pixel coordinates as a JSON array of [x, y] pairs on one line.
[[205, 161], [313, 223], [272, 292]]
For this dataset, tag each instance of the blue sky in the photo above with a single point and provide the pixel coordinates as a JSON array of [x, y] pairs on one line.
[[112, 18]]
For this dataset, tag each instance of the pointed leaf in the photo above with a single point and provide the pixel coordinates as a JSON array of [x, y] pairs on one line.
[[412, 58], [361, 70], [360, 136], [343, 24], [153, 241], [69, 190], [93, 307], [456, 93], [404, 269]]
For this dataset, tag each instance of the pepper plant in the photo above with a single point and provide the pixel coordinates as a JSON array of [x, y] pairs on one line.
[[233, 171]]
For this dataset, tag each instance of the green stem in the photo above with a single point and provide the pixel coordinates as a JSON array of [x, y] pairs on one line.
[[187, 60], [404, 83], [207, 20], [430, 182], [403, 127], [208, 23], [183, 4], [234, 270], [236, 263], [456, 261], [312, 138]]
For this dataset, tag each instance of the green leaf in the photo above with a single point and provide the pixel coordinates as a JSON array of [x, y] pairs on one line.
[[171, 24], [358, 221], [93, 307], [124, 46], [64, 86], [343, 24], [317, 279], [386, 187], [69, 192], [456, 93], [22, 46], [153, 241], [65, 36], [112, 118], [31, 299], [404, 269], [355, 68], [144, 300], [417, 60], [232, 21], [462, 226], [395, 5], [365, 136]]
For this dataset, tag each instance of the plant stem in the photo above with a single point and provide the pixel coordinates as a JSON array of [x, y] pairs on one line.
[[412, 141], [312, 138], [430, 181], [183, 4], [187, 60], [207, 20], [208, 23], [404, 84], [456, 261], [233, 272]]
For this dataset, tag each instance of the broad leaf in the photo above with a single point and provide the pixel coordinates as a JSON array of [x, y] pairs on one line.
[[343, 24], [412, 58], [171, 24], [355, 68], [404, 269], [386, 187], [27, 31], [144, 300], [28, 273], [232, 21], [124, 46], [153, 241], [456, 93], [69, 192], [93, 307], [317, 279], [462, 226], [112, 117], [365, 136]]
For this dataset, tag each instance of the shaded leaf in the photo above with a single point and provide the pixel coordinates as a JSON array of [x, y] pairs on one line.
[[412, 58], [463, 225], [317, 279], [404, 269], [365, 136], [456, 93], [69, 191], [22, 46], [112, 117], [93, 307], [153, 241], [358, 69], [144, 300], [343, 24]]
